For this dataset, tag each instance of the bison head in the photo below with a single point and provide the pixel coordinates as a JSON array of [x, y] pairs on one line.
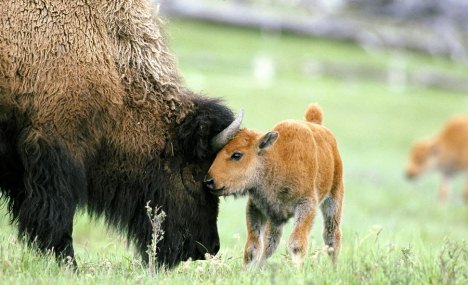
[[193, 232]]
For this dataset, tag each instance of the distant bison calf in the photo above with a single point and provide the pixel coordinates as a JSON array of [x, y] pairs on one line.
[[287, 172], [447, 152]]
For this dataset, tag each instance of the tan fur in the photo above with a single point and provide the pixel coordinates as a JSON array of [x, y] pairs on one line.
[[292, 177], [100, 57], [314, 114], [447, 152]]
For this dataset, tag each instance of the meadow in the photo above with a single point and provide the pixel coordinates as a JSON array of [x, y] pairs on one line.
[[394, 232]]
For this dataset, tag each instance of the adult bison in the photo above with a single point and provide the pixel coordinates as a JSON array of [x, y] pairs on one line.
[[93, 114]]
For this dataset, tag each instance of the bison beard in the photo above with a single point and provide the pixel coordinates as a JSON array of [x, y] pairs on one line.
[[44, 185], [172, 182], [107, 130]]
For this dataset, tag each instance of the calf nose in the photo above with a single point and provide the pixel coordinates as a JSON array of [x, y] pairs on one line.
[[209, 182], [409, 175]]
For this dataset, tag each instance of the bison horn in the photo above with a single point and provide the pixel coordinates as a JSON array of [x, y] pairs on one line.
[[221, 139]]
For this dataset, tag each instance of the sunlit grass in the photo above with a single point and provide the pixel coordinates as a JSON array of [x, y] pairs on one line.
[[394, 232]]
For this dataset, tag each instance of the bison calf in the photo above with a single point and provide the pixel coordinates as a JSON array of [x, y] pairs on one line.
[[447, 152], [287, 172]]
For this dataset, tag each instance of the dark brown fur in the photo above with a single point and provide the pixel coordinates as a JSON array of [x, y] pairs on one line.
[[93, 113]]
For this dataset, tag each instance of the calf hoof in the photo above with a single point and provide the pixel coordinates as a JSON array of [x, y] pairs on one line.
[[298, 256]]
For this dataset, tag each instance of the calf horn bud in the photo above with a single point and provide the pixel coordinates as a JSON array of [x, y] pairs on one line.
[[221, 139]]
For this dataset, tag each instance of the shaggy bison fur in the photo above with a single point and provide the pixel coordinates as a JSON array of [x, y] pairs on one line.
[[93, 114]]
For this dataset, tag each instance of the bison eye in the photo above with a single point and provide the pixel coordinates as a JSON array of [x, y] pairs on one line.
[[236, 156]]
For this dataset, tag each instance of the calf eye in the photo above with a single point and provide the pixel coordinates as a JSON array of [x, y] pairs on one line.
[[236, 156]]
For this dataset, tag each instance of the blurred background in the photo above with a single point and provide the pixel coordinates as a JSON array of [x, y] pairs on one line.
[[386, 73]]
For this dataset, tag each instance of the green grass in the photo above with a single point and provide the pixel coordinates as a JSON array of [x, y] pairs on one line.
[[394, 232]]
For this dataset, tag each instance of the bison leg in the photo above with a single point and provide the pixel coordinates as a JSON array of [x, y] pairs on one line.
[[331, 210], [255, 223], [298, 243], [271, 238], [52, 181]]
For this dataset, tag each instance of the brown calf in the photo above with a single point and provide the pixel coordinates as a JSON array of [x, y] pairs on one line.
[[447, 152], [288, 172]]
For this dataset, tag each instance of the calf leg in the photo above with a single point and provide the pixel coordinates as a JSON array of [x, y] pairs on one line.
[[331, 210], [298, 243], [465, 191], [444, 188], [271, 238], [255, 223], [53, 180]]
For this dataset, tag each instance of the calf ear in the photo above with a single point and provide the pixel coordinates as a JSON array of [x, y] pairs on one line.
[[267, 141]]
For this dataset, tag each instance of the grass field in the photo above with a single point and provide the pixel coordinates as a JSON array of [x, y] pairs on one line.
[[394, 232]]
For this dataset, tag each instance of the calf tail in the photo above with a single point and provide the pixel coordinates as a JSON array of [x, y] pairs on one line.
[[314, 113]]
